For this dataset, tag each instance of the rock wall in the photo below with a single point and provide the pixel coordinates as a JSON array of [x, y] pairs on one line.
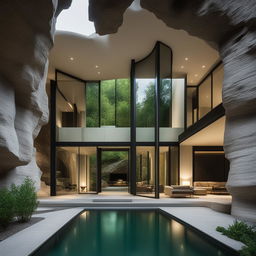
[[230, 27], [27, 30]]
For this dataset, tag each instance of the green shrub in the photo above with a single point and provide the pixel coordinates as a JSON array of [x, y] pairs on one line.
[[6, 207], [244, 233], [25, 200]]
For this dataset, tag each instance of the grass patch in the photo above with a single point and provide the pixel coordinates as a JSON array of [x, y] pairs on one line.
[[244, 233]]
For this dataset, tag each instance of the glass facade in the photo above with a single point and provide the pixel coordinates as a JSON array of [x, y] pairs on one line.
[[91, 114], [76, 170], [145, 171], [206, 96]]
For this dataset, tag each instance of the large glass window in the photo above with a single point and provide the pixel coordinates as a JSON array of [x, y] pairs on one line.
[[67, 170], [70, 102], [76, 170], [87, 170], [217, 76], [114, 170], [123, 102], [204, 97], [145, 171], [107, 100], [191, 105], [165, 93], [92, 104]]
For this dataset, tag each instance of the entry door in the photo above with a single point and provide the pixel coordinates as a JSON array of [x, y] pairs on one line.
[[113, 170]]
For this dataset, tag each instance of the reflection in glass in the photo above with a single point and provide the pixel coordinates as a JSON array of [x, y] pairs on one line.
[[66, 170], [204, 98], [145, 103], [164, 168], [174, 165], [145, 171], [218, 76], [165, 87], [191, 105], [70, 102], [87, 170]]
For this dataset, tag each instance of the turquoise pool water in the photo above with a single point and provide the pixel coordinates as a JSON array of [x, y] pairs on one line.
[[129, 233]]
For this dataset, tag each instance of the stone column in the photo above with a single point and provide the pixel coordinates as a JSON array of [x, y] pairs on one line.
[[27, 29], [239, 98]]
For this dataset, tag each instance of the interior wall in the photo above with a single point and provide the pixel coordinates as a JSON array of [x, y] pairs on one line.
[[186, 165]]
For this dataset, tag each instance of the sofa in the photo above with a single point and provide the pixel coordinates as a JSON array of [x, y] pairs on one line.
[[212, 187], [178, 191]]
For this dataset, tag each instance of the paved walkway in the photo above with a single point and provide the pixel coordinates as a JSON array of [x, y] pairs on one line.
[[108, 199]]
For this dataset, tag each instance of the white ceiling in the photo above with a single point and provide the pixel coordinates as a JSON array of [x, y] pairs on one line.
[[106, 57], [212, 135]]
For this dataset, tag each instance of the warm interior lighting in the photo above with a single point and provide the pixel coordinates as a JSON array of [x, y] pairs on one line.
[[70, 105], [185, 183], [71, 58], [186, 59], [196, 75], [203, 66], [96, 66], [182, 67], [98, 72]]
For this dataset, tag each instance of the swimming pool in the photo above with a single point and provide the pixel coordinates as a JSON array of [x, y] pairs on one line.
[[128, 233]]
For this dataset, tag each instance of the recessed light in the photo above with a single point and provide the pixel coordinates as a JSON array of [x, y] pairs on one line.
[[98, 72], [71, 58], [96, 66], [196, 75], [182, 67], [186, 59], [70, 105], [203, 66]]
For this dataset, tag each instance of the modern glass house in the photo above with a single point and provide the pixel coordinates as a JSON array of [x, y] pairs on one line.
[[129, 134]]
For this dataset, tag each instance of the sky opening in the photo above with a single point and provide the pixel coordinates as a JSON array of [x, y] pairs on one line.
[[75, 19]]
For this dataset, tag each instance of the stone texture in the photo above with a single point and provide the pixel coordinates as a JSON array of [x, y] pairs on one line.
[[230, 27], [26, 37]]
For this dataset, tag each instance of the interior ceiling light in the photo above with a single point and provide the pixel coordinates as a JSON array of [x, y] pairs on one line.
[[96, 66], [182, 67], [196, 75], [70, 105], [71, 58], [186, 59], [98, 72], [203, 66]]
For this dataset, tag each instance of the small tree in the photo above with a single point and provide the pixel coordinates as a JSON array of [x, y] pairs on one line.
[[6, 207], [25, 200]]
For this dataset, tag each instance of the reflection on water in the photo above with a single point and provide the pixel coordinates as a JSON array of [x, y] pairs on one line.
[[130, 233]]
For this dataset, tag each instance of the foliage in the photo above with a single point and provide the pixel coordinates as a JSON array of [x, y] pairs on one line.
[[114, 103], [109, 157], [92, 108], [240, 231], [7, 202], [25, 200], [145, 103]]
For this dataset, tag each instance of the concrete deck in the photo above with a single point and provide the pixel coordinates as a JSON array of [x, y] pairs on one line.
[[108, 199]]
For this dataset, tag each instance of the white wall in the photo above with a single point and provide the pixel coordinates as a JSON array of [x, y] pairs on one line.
[[178, 102], [186, 164]]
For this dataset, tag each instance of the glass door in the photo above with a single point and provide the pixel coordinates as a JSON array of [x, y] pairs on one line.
[[87, 182], [113, 170]]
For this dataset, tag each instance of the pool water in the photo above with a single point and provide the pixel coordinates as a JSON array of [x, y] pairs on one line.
[[129, 233]]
